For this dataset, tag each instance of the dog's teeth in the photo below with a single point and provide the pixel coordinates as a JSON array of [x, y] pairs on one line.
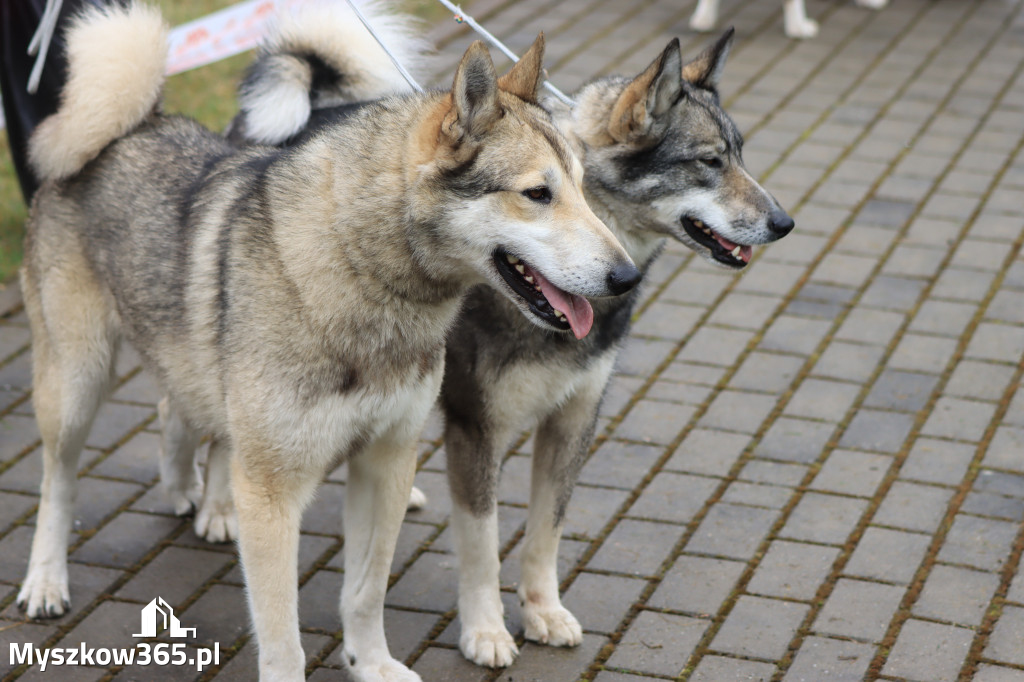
[[529, 279], [511, 259], [521, 269], [699, 223], [736, 252]]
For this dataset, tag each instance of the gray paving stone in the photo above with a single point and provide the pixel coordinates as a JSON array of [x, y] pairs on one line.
[[828, 519], [978, 542], [937, 461], [738, 411], [722, 669], [913, 507], [990, 504], [795, 440], [888, 555], [928, 651], [944, 318], [430, 584], [770, 372], [759, 628], [448, 665], [636, 547], [858, 609], [174, 574], [709, 452], [658, 643], [1005, 449], [824, 400], [601, 601], [849, 361], [792, 570], [852, 473], [619, 465], [778, 473], [837, 660], [903, 391], [956, 595], [591, 509], [978, 380], [959, 419], [919, 353], [796, 335], [715, 345], [125, 540], [757, 495], [731, 531], [696, 585], [876, 430], [654, 422], [995, 673], [673, 497]]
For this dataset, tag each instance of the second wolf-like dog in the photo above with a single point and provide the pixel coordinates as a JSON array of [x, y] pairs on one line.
[[292, 304], [663, 160]]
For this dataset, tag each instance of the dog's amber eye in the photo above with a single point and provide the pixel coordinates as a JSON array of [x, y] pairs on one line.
[[539, 194], [712, 162]]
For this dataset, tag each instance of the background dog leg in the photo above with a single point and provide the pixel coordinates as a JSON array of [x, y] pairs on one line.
[[73, 359], [216, 520], [873, 4], [705, 16], [474, 461], [795, 20], [376, 493], [270, 504], [559, 451], [179, 472]]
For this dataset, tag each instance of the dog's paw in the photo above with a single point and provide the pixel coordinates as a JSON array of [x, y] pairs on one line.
[[417, 499], [552, 626], [44, 594], [185, 500], [387, 671], [217, 523], [873, 4], [703, 21], [802, 28], [489, 648]]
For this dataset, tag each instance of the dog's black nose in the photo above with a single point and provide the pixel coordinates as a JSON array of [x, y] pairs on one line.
[[780, 223], [622, 278]]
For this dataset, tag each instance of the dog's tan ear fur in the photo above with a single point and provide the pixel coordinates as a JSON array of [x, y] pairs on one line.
[[706, 69], [475, 103], [651, 94], [525, 77]]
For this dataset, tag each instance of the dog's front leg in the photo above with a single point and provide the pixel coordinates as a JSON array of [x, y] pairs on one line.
[[474, 461], [560, 449], [269, 501], [376, 494]]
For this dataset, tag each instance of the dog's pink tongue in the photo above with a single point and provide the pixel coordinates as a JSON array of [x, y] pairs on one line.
[[745, 251], [576, 309]]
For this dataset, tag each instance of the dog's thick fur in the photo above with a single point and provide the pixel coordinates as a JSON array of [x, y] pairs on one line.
[[292, 304], [662, 159], [795, 21]]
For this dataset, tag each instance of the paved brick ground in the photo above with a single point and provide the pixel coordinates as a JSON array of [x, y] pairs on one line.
[[813, 471]]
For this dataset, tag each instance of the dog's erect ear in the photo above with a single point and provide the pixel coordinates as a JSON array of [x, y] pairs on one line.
[[524, 78], [650, 95], [474, 96], [706, 70]]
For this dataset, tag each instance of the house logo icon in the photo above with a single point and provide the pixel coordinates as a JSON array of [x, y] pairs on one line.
[[158, 611]]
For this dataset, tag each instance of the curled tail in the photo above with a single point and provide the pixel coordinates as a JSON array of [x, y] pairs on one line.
[[322, 57], [116, 58]]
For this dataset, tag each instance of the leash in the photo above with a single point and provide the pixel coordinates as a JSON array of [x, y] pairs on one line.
[[40, 44], [461, 17], [394, 60]]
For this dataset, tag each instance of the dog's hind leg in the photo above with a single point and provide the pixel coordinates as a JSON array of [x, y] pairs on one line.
[[705, 16], [74, 332], [216, 520], [376, 492], [795, 21], [179, 473], [474, 460], [560, 449]]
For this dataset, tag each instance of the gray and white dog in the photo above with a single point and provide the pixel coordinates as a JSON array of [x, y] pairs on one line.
[[293, 304], [662, 160]]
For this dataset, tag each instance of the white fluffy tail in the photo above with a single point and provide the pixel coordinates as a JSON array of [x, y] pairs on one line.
[[116, 57], [322, 56]]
